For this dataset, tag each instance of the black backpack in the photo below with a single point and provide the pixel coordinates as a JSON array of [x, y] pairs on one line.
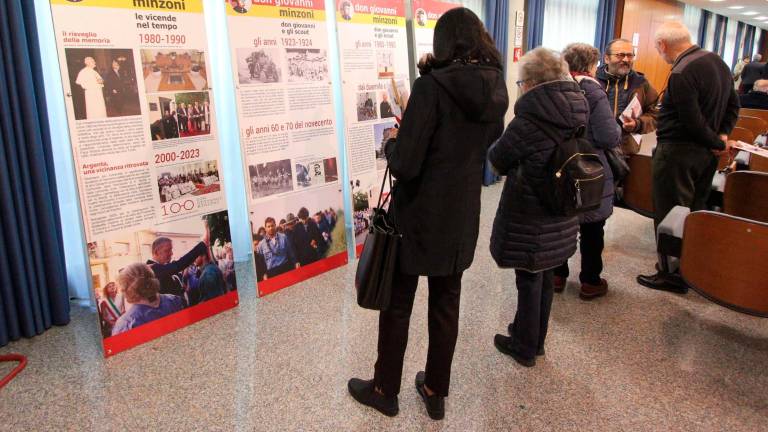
[[575, 174]]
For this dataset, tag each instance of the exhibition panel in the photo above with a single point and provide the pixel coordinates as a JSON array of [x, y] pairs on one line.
[[288, 139], [142, 124], [373, 47]]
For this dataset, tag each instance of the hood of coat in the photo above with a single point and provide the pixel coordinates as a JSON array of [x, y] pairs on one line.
[[480, 91], [558, 103], [633, 79]]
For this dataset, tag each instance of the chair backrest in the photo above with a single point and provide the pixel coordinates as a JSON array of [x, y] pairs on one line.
[[749, 112], [746, 195], [758, 163], [723, 259], [638, 185], [755, 124], [742, 134]]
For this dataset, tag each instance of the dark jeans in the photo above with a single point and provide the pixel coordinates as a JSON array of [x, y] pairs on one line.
[[534, 302], [282, 268], [591, 247], [443, 317], [682, 176]]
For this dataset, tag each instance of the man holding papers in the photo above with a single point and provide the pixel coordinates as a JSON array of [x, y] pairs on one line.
[[632, 97]]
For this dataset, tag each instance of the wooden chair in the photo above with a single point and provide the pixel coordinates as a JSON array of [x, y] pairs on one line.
[[638, 185], [742, 134], [746, 196], [758, 163], [723, 259], [754, 124], [749, 112]]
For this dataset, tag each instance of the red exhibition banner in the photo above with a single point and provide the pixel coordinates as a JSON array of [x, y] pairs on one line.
[[288, 138], [142, 123]]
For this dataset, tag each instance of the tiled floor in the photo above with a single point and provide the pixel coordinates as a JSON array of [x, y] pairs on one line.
[[635, 360]]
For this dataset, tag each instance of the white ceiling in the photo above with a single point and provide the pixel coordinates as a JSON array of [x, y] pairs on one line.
[[747, 6]]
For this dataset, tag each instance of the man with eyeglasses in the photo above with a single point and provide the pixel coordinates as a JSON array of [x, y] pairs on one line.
[[623, 83]]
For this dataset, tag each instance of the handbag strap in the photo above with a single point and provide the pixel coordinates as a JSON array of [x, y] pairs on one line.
[[387, 176]]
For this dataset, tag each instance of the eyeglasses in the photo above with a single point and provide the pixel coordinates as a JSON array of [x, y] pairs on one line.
[[628, 56], [520, 83]]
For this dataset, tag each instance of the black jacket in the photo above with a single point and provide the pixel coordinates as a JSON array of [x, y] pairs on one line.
[[453, 114], [752, 72], [754, 100], [700, 102], [525, 234], [169, 274]]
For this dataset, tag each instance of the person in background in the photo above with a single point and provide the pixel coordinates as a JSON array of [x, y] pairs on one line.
[[698, 111], [604, 134], [737, 71], [111, 306], [526, 236], [141, 289], [455, 111], [757, 98], [261, 265], [623, 84], [752, 72]]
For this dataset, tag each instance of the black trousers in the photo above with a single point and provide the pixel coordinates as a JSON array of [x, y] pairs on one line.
[[443, 318], [534, 302], [682, 176], [591, 244]]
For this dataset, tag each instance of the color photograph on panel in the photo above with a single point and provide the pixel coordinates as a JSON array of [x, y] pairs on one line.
[[374, 62], [143, 132], [288, 139]]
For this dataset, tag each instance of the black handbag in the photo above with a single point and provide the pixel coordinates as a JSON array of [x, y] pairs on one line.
[[378, 260], [619, 166]]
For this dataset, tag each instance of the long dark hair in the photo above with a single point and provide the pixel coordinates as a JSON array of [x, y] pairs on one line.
[[460, 37]]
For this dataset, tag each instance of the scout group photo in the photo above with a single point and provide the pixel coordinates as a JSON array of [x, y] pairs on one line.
[[179, 115], [174, 70], [192, 179], [102, 83], [306, 65], [143, 276], [270, 178], [297, 231], [261, 65]]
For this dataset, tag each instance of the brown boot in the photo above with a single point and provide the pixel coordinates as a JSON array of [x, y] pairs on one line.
[[589, 291], [558, 284]]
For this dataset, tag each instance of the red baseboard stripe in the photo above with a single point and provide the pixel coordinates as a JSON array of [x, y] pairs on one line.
[[163, 326], [301, 274]]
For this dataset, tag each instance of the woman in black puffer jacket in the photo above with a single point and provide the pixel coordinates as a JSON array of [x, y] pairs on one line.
[[604, 133], [526, 236]]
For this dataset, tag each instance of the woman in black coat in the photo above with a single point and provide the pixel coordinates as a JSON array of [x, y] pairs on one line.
[[526, 235], [604, 133], [455, 111]]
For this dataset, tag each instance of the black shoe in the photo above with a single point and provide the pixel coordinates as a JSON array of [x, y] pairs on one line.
[[363, 392], [504, 344], [435, 404], [663, 282], [540, 352]]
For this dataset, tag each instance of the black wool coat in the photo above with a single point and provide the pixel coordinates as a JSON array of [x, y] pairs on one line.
[[525, 234], [453, 114]]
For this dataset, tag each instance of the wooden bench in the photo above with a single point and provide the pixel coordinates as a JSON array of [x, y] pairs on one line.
[[749, 112], [638, 185], [723, 259], [746, 196], [755, 124]]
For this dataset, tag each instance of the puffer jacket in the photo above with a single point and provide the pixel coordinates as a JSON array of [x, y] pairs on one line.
[[525, 234], [604, 134]]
